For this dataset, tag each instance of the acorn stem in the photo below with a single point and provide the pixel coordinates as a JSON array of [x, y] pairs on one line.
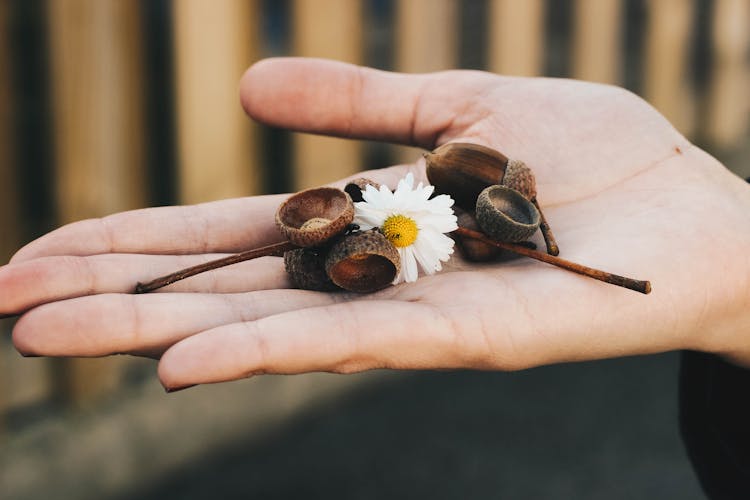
[[275, 249], [613, 279], [549, 238]]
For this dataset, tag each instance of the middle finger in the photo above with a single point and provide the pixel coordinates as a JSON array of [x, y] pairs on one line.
[[106, 324], [32, 283]]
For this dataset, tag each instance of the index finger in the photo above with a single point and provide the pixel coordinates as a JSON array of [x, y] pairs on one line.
[[335, 98], [224, 226]]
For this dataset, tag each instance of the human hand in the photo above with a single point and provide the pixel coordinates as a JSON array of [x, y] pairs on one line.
[[622, 190]]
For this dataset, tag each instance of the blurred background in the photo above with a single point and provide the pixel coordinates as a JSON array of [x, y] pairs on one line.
[[108, 105]]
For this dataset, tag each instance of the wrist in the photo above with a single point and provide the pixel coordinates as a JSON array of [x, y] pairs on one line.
[[734, 337]]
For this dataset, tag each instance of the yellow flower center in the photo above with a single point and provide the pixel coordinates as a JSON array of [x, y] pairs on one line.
[[400, 230]]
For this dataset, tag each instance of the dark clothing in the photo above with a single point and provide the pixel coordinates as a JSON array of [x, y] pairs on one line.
[[715, 423]]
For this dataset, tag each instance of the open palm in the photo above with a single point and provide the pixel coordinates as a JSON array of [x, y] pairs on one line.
[[622, 190]]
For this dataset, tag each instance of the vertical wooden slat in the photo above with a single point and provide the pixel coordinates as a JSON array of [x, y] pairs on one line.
[[667, 50], [426, 35], [331, 29], [729, 95], [96, 84], [97, 95], [516, 37], [419, 49], [597, 40], [25, 381], [214, 44], [9, 210], [8, 202]]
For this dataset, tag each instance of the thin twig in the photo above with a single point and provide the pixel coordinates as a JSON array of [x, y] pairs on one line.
[[614, 279], [275, 249], [549, 238]]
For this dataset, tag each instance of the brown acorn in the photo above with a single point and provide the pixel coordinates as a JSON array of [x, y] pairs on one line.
[[363, 262], [463, 170], [504, 214], [355, 188], [471, 249], [314, 216], [307, 269]]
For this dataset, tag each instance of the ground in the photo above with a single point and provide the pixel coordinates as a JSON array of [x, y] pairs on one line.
[[604, 429]]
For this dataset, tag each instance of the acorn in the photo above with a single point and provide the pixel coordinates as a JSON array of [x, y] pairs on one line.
[[463, 170], [471, 249], [363, 262], [312, 217], [356, 187], [505, 214], [307, 269]]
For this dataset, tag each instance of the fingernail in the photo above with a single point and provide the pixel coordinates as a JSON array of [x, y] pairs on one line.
[[170, 390]]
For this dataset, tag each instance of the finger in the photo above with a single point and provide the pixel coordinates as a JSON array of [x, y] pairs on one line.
[[222, 226], [351, 101], [31, 283], [226, 226], [144, 324], [494, 325], [345, 337]]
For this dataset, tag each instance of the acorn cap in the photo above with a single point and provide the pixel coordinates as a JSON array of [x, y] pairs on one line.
[[504, 214], [356, 187], [520, 177], [314, 216], [463, 170], [471, 249], [306, 269], [363, 262]]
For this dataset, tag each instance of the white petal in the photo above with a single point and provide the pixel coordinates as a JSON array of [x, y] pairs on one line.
[[408, 265], [427, 192], [367, 217], [425, 256], [443, 201], [369, 194], [440, 245], [409, 181], [444, 247], [365, 224], [385, 192]]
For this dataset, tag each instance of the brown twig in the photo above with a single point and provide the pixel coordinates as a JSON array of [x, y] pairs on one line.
[[614, 279], [275, 249], [549, 238]]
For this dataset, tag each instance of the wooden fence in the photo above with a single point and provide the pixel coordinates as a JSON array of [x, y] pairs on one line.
[[143, 94]]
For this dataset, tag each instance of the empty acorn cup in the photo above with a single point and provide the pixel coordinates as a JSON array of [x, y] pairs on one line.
[[363, 262], [504, 214], [314, 216], [310, 218]]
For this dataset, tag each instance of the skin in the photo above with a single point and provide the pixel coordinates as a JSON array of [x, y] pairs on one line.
[[622, 190]]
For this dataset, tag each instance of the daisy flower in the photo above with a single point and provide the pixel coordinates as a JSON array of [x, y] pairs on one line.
[[412, 222]]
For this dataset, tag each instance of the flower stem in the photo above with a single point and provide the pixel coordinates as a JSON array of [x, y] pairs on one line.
[[275, 249], [613, 279]]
